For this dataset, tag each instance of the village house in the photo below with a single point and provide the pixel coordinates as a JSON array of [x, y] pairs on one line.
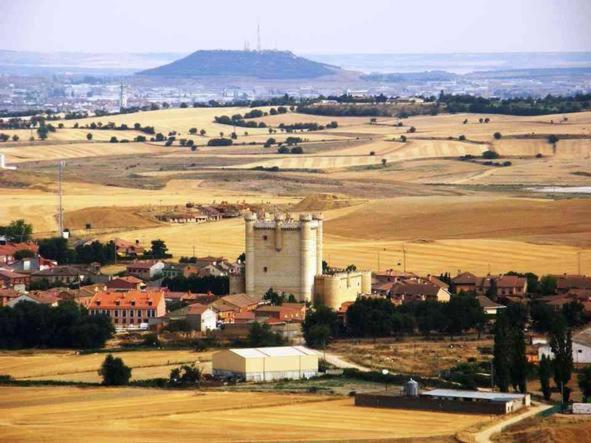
[[489, 307], [10, 279], [32, 264], [67, 275], [9, 249], [229, 305], [145, 269], [51, 298], [506, 285], [284, 312], [189, 297], [125, 283], [128, 310], [413, 291], [6, 295], [124, 248], [201, 317], [572, 284]]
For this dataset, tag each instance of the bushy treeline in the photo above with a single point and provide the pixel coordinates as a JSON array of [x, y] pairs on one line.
[[516, 106], [214, 284], [31, 325], [378, 317], [345, 111], [57, 249], [238, 120]]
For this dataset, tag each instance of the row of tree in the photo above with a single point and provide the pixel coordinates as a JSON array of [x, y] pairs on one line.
[[68, 325]]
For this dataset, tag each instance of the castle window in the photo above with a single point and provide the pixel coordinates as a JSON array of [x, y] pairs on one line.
[[264, 237], [265, 269]]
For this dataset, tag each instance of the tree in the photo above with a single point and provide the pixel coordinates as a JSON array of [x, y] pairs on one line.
[[518, 360], [23, 253], [562, 348], [547, 285], [544, 317], [573, 313], [319, 315], [202, 132], [497, 135], [89, 136], [15, 138], [114, 371], [185, 375], [384, 161], [502, 352], [158, 249], [545, 372], [553, 139], [275, 298], [17, 231], [490, 155], [113, 140], [585, 383], [260, 335], [491, 291]]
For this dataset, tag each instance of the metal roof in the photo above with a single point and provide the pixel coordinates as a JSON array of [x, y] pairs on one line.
[[491, 396], [276, 351]]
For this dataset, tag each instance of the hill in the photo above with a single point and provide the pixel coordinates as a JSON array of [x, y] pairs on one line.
[[257, 64]]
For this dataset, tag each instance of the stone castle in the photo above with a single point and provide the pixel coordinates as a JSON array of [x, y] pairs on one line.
[[286, 254]]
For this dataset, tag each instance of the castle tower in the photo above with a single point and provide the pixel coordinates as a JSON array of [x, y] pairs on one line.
[[249, 264], [319, 251], [282, 254]]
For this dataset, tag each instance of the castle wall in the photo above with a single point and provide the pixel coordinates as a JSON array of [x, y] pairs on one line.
[[334, 290]]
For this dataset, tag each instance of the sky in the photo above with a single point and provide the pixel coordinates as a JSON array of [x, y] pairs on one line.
[[303, 26]]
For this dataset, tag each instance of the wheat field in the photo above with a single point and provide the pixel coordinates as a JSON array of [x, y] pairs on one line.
[[61, 414]]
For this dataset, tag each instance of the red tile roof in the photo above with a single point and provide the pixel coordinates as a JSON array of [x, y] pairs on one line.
[[122, 300]]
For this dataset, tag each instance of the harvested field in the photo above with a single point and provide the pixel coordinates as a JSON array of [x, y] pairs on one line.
[[58, 414], [555, 429], [107, 218], [411, 218], [69, 366], [40, 152], [324, 202]]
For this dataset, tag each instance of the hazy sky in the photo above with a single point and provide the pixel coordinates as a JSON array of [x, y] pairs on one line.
[[304, 26]]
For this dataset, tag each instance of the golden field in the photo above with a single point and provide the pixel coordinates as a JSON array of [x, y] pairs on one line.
[[446, 214], [60, 414], [70, 366]]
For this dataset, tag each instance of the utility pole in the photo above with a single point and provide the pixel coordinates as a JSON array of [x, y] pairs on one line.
[[579, 262], [404, 257], [60, 209]]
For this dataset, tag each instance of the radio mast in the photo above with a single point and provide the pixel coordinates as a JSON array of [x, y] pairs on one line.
[[258, 35]]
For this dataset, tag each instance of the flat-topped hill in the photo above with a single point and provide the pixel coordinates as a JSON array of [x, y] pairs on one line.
[[257, 64]]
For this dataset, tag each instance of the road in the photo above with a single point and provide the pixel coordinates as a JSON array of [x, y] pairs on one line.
[[484, 435], [337, 361]]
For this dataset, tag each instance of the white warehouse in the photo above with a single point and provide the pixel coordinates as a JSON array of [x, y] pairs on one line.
[[266, 364]]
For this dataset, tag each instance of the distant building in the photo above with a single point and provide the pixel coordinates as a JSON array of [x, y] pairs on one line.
[[506, 285], [266, 364], [284, 312], [8, 250], [128, 310], [413, 291], [572, 283], [65, 275], [125, 283], [125, 248], [581, 348], [229, 305], [488, 306], [201, 317], [10, 279], [145, 269], [446, 400]]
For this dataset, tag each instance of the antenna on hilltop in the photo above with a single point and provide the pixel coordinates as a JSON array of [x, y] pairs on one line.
[[258, 35]]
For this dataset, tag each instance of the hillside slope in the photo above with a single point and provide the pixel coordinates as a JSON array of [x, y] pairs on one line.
[[258, 64]]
